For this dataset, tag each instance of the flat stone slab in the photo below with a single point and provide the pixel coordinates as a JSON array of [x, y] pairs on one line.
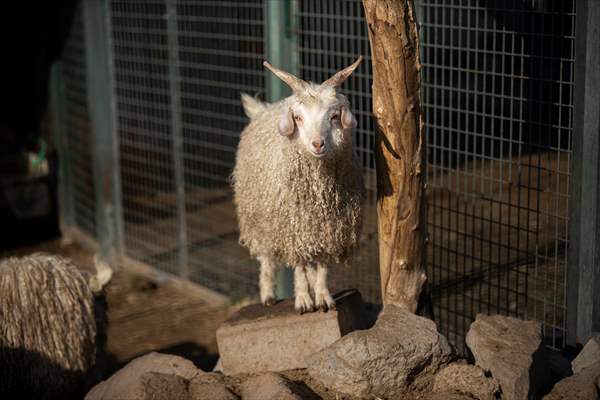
[[260, 339]]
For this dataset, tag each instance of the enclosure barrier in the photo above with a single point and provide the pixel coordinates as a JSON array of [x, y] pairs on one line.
[[148, 97]]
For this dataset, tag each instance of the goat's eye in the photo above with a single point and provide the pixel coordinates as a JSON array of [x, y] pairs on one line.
[[297, 118], [335, 116]]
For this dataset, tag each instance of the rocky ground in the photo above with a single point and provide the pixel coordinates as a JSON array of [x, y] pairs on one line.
[[401, 357], [162, 343]]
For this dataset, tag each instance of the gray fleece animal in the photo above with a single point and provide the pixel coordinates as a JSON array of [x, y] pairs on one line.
[[299, 187]]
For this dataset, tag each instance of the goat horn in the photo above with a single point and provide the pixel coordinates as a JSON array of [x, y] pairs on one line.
[[340, 76], [296, 84]]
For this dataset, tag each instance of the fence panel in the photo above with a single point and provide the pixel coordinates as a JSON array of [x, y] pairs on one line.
[[143, 118], [77, 130], [220, 55], [498, 90], [179, 69]]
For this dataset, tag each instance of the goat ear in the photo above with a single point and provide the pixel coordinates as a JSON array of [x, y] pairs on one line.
[[347, 119], [286, 124]]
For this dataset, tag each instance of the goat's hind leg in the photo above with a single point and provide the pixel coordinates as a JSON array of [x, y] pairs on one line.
[[266, 280], [323, 299]]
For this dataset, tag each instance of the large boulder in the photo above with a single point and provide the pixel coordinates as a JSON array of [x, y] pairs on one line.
[[399, 356], [466, 379], [158, 376], [274, 386], [583, 385], [153, 370], [513, 351]]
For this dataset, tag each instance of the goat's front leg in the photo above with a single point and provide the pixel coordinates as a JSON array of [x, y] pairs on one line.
[[266, 280], [323, 299], [303, 302]]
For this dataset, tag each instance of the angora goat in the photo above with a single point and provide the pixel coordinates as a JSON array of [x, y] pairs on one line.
[[52, 327], [298, 186]]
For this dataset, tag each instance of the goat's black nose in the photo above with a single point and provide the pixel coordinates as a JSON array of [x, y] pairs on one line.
[[318, 144]]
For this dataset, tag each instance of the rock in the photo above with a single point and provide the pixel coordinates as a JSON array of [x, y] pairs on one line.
[[399, 356], [466, 379], [210, 386], [274, 386], [259, 339], [157, 386], [448, 396], [583, 385], [588, 355], [131, 381], [512, 350]]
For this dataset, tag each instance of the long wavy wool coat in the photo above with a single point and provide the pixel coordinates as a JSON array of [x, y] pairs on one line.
[[290, 205]]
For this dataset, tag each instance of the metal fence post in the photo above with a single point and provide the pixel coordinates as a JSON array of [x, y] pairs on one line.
[[583, 276], [105, 150], [65, 192], [178, 168], [281, 46]]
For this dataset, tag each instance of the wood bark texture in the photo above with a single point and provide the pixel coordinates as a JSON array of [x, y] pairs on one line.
[[400, 149]]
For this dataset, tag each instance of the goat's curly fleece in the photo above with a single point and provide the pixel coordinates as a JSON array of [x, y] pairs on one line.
[[52, 328], [292, 206]]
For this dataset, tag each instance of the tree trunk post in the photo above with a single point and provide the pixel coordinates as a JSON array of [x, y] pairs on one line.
[[400, 151]]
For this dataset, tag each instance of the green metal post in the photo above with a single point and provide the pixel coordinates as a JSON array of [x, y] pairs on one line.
[[281, 51], [583, 274], [178, 168], [105, 150], [60, 132]]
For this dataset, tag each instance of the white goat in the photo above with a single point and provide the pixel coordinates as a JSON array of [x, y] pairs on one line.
[[299, 187]]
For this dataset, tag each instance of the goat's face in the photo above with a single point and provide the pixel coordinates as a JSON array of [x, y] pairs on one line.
[[318, 117], [321, 122]]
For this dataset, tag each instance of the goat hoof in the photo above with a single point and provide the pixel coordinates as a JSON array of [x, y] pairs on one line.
[[304, 309], [270, 302], [327, 307]]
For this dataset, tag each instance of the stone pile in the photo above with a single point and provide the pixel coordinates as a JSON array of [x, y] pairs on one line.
[[402, 356]]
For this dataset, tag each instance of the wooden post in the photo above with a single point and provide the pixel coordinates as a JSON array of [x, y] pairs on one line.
[[399, 152]]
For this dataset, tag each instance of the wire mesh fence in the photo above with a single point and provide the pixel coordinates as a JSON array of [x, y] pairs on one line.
[[498, 100], [179, 68], [498, 94], [77, 128]]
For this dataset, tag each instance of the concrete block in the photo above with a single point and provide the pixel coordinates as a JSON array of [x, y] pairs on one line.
[[260, 339]]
